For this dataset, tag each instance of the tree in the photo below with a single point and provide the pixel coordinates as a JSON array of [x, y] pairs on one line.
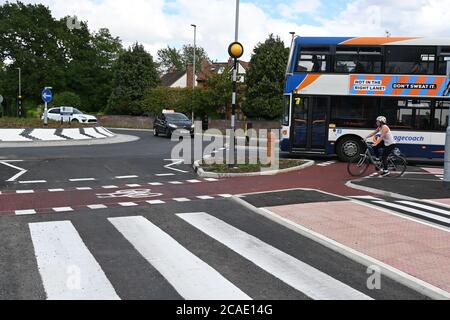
[[134, 72], [66, 98], [50, 54], [170, 59], [265, 80], [187, 55]]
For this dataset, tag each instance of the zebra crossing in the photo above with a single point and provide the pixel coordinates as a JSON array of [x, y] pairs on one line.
[[70, 267], [428, 211]]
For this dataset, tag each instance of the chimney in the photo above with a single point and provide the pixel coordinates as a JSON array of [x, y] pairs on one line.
[[189, 75]]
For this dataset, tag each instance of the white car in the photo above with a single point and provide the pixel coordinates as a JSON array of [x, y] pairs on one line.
[[74, 116]]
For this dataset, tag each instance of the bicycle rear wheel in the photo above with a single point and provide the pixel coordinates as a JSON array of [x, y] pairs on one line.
[[358, 165], [397, 166]]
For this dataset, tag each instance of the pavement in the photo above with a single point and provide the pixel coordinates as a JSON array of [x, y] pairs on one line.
[[125, 221]]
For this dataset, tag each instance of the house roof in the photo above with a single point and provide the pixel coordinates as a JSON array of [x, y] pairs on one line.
[[170, 78]]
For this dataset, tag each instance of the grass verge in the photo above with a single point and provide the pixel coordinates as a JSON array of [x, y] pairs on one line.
[[250, 168]]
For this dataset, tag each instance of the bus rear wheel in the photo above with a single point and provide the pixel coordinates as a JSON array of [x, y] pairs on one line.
[[349, 148]]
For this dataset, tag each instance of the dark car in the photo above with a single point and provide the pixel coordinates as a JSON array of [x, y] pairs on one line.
[[166, 123]]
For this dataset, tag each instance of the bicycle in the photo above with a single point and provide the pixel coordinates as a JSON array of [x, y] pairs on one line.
[[358, 165]]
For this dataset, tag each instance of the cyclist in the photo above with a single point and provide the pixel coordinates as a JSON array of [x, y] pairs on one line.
[[385, 142]]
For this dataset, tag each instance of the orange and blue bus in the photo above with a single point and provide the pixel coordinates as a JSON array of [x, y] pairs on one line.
[[336, 87]]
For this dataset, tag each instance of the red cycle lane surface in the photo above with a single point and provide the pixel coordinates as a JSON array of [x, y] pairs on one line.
[[330, 179]]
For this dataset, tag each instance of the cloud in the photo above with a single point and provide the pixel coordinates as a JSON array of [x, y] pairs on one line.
[[292, 8], [158, 23]]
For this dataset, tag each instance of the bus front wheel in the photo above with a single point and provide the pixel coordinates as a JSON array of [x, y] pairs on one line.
[[348, 148]]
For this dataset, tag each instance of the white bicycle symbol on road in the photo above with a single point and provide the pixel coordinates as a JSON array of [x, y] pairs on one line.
[[130, 193]]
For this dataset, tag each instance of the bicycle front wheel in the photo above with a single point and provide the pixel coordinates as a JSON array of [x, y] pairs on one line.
[[358, 165], [397, 166]]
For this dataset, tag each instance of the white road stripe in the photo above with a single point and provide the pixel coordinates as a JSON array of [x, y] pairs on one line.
[[110, 187], [82, 179], [126, 177], [176, 182], [133, 185], [165, 174], [155, 184], [63, 259], [423, 206], [24, 191], [181, 199], [32, 181], [155, 202], [55, 190], [193, 181], [211, 179], [192, 278], [16, 176], [412, 210], [226, 195], [299, 275], [25, 212], [205, 197], [128, 204], [97, 206], [84, 188], [365, 198], [63, 209]]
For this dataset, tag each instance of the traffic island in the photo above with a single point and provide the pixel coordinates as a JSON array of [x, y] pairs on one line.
[[53, 134], [204, 169]]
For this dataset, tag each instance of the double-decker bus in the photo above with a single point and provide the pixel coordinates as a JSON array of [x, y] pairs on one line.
[[336, 88]]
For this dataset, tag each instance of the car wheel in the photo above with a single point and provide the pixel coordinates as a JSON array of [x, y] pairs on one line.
[[75, 121], [348, 148]]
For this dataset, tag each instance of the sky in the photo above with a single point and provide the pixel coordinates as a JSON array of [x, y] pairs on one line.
[[158, 23]]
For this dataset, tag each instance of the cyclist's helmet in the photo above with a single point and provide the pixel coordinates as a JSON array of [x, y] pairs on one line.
[[382, 119]]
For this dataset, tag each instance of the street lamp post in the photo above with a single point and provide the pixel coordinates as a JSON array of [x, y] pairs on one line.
[[194, 68], [19, 98], [293, 36]]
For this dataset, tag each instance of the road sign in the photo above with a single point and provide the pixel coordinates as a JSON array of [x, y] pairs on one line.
[[47, 95]]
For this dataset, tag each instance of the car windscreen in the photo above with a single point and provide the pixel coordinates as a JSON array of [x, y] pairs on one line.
[[176, 117], [76, 111]]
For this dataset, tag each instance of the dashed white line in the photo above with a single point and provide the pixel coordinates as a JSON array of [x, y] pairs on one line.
[[226, 195], [165, 174], [55, 190], [205, 197], [84, 188], [110, 187], [181, 199], [63, 209], [97, 206], [175, 182], [155, 184], [193, 181], [25, 212], [127, 177], [155, 202], [24, 191], [211, 179], [133, 185], [128, 204], [32, 181], [82, 179]]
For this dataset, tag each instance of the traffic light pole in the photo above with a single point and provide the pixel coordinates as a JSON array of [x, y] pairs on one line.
[[231, 157]]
